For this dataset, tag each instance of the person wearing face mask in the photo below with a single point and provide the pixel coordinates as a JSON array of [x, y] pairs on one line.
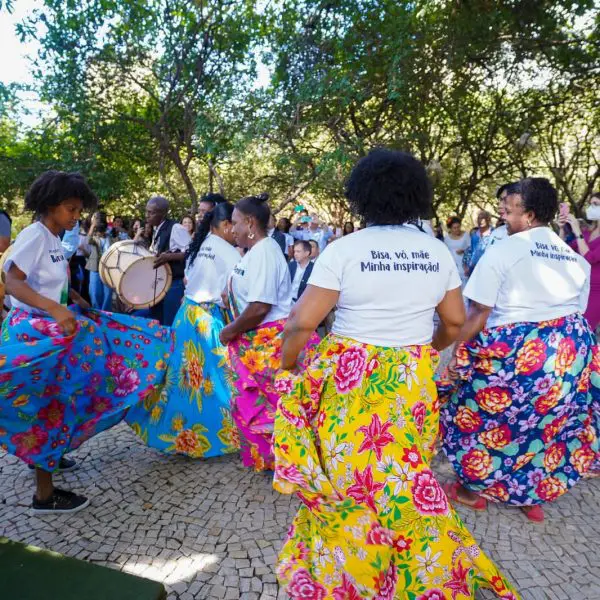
[[587, 243], [518, 425]]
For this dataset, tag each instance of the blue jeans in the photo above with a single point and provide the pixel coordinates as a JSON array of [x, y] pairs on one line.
[[100, 294], [166, 310]]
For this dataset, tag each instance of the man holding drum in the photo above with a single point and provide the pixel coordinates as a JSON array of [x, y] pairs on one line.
[[167, 245]]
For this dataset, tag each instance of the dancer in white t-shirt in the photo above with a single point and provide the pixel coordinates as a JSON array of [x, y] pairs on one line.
[[355, 430], [518, 428], [65, 373], [193, 416], [259, 293]]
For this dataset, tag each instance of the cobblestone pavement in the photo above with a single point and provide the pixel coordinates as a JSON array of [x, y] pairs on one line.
[[212, 529]]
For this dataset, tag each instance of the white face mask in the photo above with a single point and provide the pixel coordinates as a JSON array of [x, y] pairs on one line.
[[593, 213]]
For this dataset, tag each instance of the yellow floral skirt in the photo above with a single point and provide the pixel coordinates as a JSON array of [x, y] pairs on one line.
[[354, 438]]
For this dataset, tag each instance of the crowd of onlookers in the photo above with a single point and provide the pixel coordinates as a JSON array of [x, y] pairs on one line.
[[301, 239]]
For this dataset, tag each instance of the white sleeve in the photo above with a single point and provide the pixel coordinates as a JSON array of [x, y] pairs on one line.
[[327, 271], [584, 296], [262, 271], [27, 252], [484, 284], [454, 280], [180, 238]]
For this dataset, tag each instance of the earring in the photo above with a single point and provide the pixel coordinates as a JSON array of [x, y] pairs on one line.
[[251, 236], [529, 224]]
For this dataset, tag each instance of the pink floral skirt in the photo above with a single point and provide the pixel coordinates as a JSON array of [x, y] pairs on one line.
[[255, 358], [57, 391]]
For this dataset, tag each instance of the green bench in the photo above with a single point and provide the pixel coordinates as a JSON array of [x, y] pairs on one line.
[[30, 573]]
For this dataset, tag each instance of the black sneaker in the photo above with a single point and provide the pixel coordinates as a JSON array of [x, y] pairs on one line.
[[60, 502], [65, 464]]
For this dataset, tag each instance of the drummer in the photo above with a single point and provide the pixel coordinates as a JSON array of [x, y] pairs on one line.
[[169, 242]]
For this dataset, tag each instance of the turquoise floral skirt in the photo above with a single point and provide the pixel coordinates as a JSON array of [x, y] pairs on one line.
[[191, 415]]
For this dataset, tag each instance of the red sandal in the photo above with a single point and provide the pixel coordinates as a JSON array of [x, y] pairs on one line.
[[534, 513], [451, 490]]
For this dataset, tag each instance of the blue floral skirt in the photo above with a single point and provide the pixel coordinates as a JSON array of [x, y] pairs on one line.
[[520, 427], [57, 391], [191, 415]]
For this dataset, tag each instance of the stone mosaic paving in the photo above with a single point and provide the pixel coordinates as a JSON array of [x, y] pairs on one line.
[[212, 529]]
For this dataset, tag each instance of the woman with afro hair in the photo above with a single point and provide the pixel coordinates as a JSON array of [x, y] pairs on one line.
[[518, 425], [355, 430], [66, 372]]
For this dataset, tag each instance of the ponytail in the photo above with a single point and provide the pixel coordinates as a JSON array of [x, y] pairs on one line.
[[221, 212]]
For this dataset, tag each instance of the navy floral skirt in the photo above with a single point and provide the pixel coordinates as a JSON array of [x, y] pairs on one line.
[[520, 427]]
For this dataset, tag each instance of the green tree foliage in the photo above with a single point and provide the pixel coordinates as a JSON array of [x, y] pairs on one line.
[[161, 96]]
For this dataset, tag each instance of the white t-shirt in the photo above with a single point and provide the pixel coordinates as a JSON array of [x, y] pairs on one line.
[[298, 280], [180, 238], [530, 276], [39, 254], [462, 243], [263, 276], [499, 234], [391, 279], [207, 276]]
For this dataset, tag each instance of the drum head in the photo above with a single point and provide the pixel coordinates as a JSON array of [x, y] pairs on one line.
[[115, 261], [143, 286]]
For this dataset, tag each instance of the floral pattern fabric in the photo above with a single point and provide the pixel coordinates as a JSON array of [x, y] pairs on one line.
[[519, 428], [354, 438], [255, 357], [191, 415], [57, 391]]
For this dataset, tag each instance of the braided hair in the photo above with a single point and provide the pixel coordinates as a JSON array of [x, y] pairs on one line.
[[213, 218]]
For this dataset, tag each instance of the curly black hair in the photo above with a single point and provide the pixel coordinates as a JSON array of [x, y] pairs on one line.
[[257, 207], [539, 196], [452, 220], [221, 212], [54, 187], [388, 187]]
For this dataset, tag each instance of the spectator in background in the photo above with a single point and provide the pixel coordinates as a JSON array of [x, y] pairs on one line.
[[206, 204], [79, 274], [315, 250], [117, 230], [189, 225], [479, 239], [501, 231], [143, 235], [458, 242], [135, 228], [5, 229], [284, 225], [348, 228], [587, 244], [300, 268], [98, 242], [279, 237], [318, 232]]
